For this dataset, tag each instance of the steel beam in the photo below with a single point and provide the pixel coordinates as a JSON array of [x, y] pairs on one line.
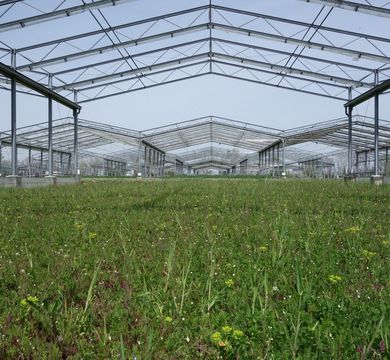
[[33, 85], [287, 53], [122, 74], [377, 89], [111, 28], [133, 56], [20, 23], [281, 87], [354, 6], [143, 88], [303, 24], [299, 42], [281, 68], [103, 49]]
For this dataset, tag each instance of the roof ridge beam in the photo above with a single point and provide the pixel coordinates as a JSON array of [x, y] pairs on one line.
[[302, 23], [142, 88], [281, 52], [281, 87], [130, 56], [112, 28], [354, 6], [74, 10], [307, 44], [292, 70], [149, 74], [103, 49]]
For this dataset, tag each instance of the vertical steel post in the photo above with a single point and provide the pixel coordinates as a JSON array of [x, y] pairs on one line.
[[145, 173], [349, 112], [75, 139], [29, 162], [365, 162], [283, 155], [50, 129], [376, 126], [139, 153], [210, 41], [14, 149], [386, 162], [357, 162], [50, 137], [0, 156]]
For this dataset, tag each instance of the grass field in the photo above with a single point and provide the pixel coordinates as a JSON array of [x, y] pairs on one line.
[[185, 269]]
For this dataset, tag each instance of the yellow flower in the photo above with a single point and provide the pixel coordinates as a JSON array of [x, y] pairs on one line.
[[79, 226], [229, 282], [168, 319], [368, 254], [386, 242], [91, 235], [352, 230], [32, 299], [223, 343], [227, 329], [334, 278], [237, 334], [216, 337], [263, 248]]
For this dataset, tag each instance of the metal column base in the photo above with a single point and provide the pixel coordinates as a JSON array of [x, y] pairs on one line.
[[51, 180], [377, 179], [350, 178], [13, 181]]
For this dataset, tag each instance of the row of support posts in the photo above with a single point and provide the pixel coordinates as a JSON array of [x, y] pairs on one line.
[[179, 167], [154, 161], [349, 106], [15, 77], [273, 157]]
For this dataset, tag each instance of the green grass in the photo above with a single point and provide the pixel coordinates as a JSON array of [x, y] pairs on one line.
[[185, 269]]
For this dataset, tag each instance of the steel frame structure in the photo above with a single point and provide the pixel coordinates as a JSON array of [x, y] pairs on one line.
[[204, 142], [119, 58]]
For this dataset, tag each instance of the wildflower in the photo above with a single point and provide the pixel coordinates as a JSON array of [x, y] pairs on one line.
[[30, 300], [91, 235], [352, 230], [237, 334], [223, 343], [227, 329], [334, 278], [168, 319], [79, 226], [263, 248], [216, 337], [382, 347], [368, 254], [229, 282], [386, 242]]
